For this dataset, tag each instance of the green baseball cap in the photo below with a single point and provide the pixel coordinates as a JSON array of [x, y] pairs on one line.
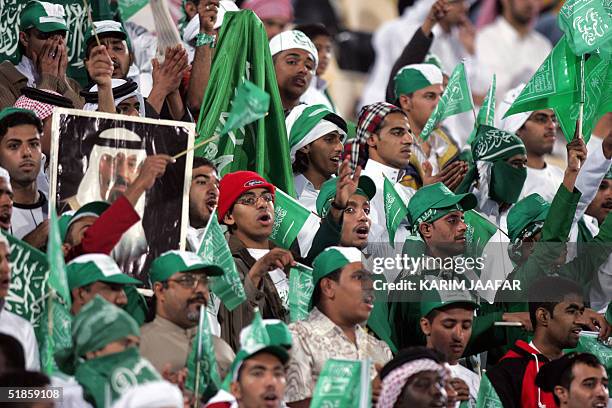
[[45, 17], [171, 262], [63, 222], [90, 268], [437, 196], [10, 111], [327, 193], [414, 77], [435, 300], [331, 259], [92, 209], [530, 209], [105, 27]]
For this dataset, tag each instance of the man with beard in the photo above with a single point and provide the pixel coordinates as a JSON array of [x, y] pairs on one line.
[[246, 206], [10, 323], [295, 61], [180, 284], [556, 310], [341, 301], [446, 321], [6, 200], [537, 130], [20, 155], [576, 380], [315, 140], [415, 378]]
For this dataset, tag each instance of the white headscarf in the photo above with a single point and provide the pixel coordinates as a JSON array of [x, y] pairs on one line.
[[513, 122], [117, 83], [155, 394]]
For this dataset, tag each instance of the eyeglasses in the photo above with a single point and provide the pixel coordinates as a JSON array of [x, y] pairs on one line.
[[542, 118], [189, 281], [251, 199]]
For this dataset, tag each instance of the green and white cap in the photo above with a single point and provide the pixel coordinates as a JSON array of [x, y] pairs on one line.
[[307, 123], [106, 27], [293, 39], [45, 17], [331, 259], [529, 210], [327, 193], [92, 209], [492, 144], [440, 299], [171, 262], [90, 268], [414, 77]]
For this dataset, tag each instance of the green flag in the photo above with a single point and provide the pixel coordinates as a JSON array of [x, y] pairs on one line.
[[587, 25], [456, 99], [487, 396], [243, 53], [228, 287], [250, 104], [588, 343], [395, 209], [292, 221], [300, 292], [486, 113], [56, 321], [343, 384], [478, 232], [127, 8], [202, 356]]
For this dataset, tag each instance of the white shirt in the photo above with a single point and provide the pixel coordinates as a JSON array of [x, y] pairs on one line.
[[26, 218], [278, 276], [315, 94], [544, 181], [377, 172], [306, 192], [26, 68], [471, 379], [513, 58], [23, 331]]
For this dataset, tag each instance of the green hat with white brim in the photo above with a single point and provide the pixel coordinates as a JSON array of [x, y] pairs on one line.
[[105, 27], [330, 260], [92, 209], [44, 16], [90, 268], [435, 201], [327, 193], [171, 262], [414, 77]]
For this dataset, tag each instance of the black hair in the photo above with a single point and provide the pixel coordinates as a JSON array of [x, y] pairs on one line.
[[313, 30], [301, 163], [12, 356], [567, 376], [549, 291], [23, 378], [17, 119], [316, 295], [202, 161]]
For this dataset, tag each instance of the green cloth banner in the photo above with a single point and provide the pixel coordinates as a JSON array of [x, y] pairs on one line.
[[343, 384], [301, 288], [395, 209], [588, 26], [456, 99], [290, 220], [127, 8], [243, 53], [487, 396], [590, 344], [478, 232], [228, 287], [202, 350]]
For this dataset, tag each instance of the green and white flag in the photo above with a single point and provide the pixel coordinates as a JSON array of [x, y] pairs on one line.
[[127, 8], [202, 356], [486, 113], [293, 221], [301, 288], [478, 232], [262, 146], [29, 269], [343, 384], [456, 99], [588, 343], [487, 396], [228, 287], [56, 323], [555, 85], [587, 25], [395, 209]]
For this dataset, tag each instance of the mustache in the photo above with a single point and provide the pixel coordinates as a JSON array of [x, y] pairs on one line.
[[199, 298]]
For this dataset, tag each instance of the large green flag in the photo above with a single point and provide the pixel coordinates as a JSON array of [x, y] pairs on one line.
[[587, 25], [202, 356], [487, 396], [486, 113], [456, 99], [56, 322], [228, 286], [395, 209], [243, 53], [343, 384], [293, 221], [301, 287], [479, 231]]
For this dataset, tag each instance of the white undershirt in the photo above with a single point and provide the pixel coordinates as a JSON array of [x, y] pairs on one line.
[[278, 276]]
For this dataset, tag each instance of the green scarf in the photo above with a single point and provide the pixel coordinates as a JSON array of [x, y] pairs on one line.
[[112, 375], [506, 182]]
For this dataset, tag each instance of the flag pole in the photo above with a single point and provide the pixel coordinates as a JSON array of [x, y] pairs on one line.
[[49, 357], [200, 144], [582, 97], [199, 357]]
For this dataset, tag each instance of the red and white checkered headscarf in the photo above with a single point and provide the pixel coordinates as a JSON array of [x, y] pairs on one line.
[[43, 110]]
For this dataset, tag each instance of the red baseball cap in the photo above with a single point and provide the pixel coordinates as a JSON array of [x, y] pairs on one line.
[[233, 185]]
